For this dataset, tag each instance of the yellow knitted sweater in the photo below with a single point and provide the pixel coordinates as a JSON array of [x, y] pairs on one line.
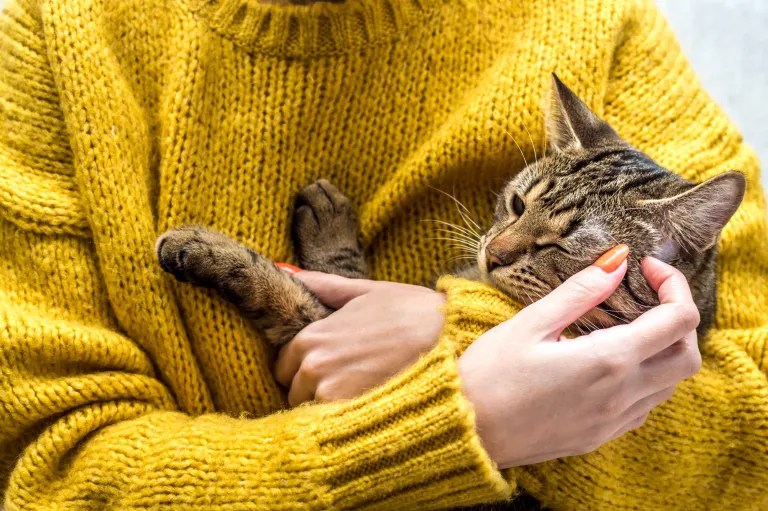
[[119, 119]]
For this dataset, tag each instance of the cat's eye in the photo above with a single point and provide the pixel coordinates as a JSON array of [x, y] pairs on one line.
[[556, 246], [518, 206]]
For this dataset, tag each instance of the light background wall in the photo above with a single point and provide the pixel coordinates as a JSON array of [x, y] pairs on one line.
[[727, 42]]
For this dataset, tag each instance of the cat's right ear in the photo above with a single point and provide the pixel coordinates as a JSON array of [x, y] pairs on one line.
[[571, 125], [695, 218]]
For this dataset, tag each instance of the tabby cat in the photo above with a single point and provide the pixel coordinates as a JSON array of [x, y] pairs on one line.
[[590, 192]]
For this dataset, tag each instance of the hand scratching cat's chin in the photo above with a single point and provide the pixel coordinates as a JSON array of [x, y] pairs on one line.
[[594, 320]]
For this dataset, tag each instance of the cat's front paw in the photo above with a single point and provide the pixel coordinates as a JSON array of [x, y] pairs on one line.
[[197, 255], [278, 304], [325, 231]]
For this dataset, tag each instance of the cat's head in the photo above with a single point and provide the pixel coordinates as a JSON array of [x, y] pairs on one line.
[[591, 191]]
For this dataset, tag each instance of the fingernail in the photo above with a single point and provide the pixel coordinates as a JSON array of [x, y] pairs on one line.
[[612, 259], [288, 268]]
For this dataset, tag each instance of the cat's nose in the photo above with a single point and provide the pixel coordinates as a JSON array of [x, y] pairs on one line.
[[504, 250], [493, 260]]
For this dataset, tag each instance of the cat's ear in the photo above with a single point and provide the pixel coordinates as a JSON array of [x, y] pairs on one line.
[[695, 218], [572, 125]]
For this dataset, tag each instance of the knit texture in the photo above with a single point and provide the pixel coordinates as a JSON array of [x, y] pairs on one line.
[[122, 389]]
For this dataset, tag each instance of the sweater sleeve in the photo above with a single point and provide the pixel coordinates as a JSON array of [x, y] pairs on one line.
[[87, 424], [709, 444]]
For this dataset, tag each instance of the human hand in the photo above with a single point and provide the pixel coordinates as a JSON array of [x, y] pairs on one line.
[[537, 399], [379, 329]]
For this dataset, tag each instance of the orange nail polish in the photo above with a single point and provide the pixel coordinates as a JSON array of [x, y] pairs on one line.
[[612, 259], [288, 267]]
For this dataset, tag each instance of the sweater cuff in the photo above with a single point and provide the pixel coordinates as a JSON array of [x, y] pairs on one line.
[[411, 443], [472, 308]]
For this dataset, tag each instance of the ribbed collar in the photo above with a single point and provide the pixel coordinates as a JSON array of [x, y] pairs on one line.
[[317, 29]]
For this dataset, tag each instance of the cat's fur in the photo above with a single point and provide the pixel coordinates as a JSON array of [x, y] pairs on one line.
[[590, 192]]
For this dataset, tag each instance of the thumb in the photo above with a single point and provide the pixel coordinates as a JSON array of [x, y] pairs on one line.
[[333, 290], [580, 293]]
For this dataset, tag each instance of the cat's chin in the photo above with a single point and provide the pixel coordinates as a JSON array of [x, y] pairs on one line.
[[595, 319]]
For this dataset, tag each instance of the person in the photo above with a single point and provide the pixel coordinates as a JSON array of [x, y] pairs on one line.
[[124, 390]]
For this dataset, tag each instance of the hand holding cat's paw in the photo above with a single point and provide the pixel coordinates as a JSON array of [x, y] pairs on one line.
[[537, 399], [379, 329]]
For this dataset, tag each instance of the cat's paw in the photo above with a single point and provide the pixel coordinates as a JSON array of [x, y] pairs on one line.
[[325, 231], [322, 210], [278, 304], [197, 255]]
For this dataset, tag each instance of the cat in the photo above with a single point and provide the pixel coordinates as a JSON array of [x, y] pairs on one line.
[[591, 191]]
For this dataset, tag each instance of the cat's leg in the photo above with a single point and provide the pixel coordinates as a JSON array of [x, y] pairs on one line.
[[325, 232], [279, 305]]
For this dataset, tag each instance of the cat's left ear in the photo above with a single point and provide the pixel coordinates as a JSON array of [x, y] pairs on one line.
[[571, 125], [695, 218]]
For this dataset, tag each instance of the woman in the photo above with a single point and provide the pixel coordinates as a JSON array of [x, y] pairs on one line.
[[120, 388]]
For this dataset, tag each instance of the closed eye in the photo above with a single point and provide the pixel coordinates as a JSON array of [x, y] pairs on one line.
[[547, 246]]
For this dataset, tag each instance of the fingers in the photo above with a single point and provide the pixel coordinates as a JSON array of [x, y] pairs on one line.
[[673, 288], [292, 370], [679, 361], [654, 331], [631, 425], [579, 294], [676, 318], [288, 362], [667, 281], [301, 391], [333, 290], [635, 416]]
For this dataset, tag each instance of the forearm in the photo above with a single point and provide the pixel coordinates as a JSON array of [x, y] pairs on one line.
[[409, 442]]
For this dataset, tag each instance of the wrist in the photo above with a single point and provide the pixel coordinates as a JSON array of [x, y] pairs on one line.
[[483, 411]]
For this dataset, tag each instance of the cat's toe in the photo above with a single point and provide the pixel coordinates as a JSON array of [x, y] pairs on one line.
[[166, 250], [182, 252], [325, 231], [324, 219], [325, 200], [304, 220]]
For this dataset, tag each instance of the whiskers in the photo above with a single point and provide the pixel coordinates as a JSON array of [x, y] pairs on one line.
[[519, 148], [531, 294], [464, 239], [470, 224], [619, 316], [464, 248], [584, 326]]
